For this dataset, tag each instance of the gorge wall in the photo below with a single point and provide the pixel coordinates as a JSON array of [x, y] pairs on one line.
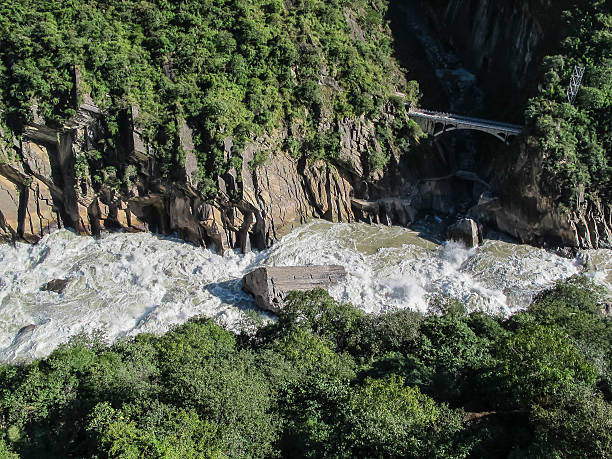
[[503, 44], [45, 183]]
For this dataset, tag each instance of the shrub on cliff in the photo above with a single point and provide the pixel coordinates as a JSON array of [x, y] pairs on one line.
[[575, 141], [230, 67]]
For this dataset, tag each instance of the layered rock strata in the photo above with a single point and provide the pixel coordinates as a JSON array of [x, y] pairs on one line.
[[45, 184]]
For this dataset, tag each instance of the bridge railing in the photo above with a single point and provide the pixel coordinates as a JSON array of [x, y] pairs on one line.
[[451, 117]]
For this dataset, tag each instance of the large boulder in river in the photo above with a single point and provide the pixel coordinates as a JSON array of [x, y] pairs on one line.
[[270, 285], [465, 231]]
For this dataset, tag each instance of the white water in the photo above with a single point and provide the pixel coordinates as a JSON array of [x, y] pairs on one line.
[[124, 284]]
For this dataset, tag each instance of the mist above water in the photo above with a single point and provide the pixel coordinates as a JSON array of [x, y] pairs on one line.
[[125, 284]]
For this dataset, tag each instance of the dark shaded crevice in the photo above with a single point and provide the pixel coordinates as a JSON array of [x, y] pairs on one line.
[[412, 57], [24, 196]]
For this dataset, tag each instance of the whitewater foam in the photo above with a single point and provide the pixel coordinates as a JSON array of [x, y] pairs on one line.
[[124, 284]]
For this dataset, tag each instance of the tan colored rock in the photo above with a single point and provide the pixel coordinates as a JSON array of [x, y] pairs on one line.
[[137, 145], [104, 210], [98, 213], [84, 225], [40, 215], [270, 285], [212, 223], [122, 219], [355, 134], [135, 223], [283, 194], [191, 169], [330, 192], [9, 208], [339, 197], [279, 196], [37, 158]]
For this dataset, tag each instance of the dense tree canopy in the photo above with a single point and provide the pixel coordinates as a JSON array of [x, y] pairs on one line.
[[327, 380], [230, 67], [575, 140]]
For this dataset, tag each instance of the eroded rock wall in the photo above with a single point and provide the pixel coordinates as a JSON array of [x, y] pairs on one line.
[[41, 190], [517, 206], [45, 184], [503, 44], [29, 202]]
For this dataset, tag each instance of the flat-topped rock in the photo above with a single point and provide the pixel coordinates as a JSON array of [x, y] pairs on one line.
[[270, 285]]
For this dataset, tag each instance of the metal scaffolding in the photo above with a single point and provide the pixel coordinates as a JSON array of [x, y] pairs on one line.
[[574, 85]]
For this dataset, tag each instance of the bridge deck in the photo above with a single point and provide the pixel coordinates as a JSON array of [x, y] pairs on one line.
[[451, 118]]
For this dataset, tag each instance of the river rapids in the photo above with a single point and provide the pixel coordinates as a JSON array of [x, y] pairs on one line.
[[124, 284]]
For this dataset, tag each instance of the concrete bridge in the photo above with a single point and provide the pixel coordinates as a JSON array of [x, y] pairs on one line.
[[437, 123]]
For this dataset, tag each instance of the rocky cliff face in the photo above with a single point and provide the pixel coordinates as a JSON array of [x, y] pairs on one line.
[[517, 206], [503, 44], [43, 187], [500, 42], [45, 184]]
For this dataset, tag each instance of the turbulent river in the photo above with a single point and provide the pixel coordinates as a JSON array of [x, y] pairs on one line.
[[124, 284]]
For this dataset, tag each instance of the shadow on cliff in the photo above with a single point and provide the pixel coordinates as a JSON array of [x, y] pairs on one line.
[[411, 55]]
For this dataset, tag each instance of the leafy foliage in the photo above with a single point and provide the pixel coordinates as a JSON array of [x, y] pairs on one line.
[[536, 363], [328, 380], [388, 419], [576, 140], [578, 424], [229, 67]]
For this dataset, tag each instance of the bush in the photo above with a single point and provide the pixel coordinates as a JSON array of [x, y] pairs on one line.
[[579, 424], [575, 307], [388, 419], [538, 362], [221, 66], [327, 380]]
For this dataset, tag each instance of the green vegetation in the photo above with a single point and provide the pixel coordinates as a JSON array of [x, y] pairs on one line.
[[229, 67], [576, 140], [327, 380]]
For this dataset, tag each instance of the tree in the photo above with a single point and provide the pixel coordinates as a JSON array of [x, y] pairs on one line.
[[575, 306], [536, 363], [579, 424], [154, 431], [387, 419]]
